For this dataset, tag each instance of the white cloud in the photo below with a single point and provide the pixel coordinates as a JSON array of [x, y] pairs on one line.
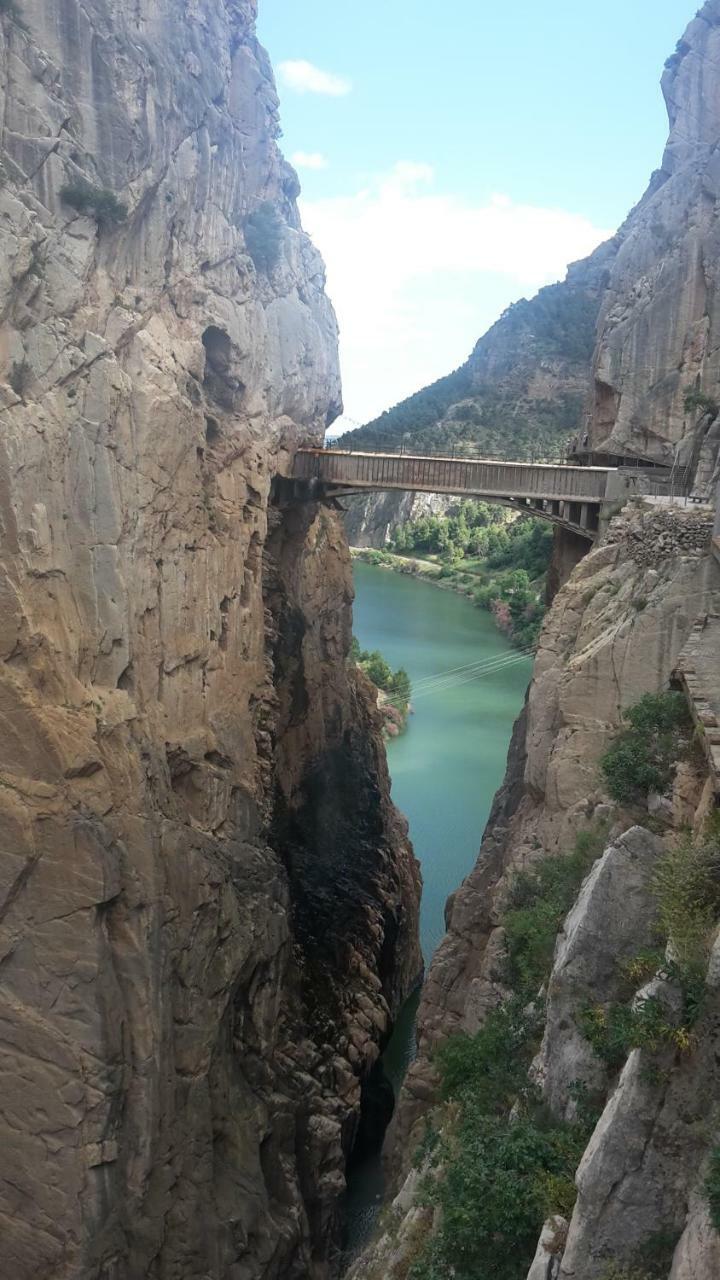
[[303, 77], [417, 275], [309, 160]]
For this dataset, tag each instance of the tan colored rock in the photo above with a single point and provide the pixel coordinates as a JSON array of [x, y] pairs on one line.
[[202, 876], [546, 1265], [657, 327], [613, 919], [697, 1256]]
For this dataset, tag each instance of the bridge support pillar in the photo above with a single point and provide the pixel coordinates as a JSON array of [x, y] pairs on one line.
[[568, 550]]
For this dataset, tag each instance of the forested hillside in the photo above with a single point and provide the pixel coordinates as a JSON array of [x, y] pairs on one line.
[[521, 392]]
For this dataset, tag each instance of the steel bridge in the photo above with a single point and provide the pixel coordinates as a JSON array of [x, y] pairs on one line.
[[570, 496]]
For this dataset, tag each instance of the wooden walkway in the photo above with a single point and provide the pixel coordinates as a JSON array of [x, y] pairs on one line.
[[567, 495]]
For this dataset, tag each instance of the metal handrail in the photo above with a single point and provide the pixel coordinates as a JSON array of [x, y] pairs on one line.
[[453, 452]]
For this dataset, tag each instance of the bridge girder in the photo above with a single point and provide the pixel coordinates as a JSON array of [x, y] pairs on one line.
[[572, 497]]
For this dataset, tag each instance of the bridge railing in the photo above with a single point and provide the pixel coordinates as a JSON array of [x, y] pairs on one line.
[[460, 451], [482, 477], [658, 480], [561, 453]]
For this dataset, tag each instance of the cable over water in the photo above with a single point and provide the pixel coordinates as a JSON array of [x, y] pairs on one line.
[[464, 675]]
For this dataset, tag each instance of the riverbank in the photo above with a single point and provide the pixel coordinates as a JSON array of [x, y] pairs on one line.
[[515, 601]]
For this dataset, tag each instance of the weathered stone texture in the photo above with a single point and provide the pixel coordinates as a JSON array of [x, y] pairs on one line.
[[614, 632], [613, 919], [657, 334], [191, 780]]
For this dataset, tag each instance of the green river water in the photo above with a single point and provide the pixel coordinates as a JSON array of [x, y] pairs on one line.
[[445, 768]]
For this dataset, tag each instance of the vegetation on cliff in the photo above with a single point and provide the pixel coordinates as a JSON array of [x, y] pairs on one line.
[[393, 687], [101, 202], [643, 757], [686, 886], [502, 1164]]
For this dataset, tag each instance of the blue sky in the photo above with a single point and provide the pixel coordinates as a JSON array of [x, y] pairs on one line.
[[454, 159]]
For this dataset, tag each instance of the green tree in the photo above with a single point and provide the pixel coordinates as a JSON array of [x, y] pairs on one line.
[[643, 756]]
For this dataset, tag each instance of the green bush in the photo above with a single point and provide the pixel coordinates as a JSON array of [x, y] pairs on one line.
[[558, 1193], [494, 1195], [102, 203], [643, 757], [687, 887], [394, 684], [263, 236], [697, 400], [20, 376], [615, 1031], [490, 1068]]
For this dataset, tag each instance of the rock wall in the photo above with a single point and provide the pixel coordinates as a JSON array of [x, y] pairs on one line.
[[373, 520], [657, 334], [208, 909], [615, 631]]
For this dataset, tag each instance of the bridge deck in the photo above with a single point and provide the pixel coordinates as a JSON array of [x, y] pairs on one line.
[[473, 476]]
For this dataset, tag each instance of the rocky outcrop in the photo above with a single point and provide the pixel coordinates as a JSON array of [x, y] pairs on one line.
[[208, 908], [546, 1264], [614, 918], [614, 632], [640, 1179], [657, 334], [373, 520]]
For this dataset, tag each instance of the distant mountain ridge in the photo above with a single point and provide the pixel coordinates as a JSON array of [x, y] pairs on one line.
[[523, 387], [521, 392]]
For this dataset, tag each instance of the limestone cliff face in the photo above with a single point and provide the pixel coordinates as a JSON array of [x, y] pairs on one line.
[[598, 654], [372, 521], [208, 904], [657, 335]]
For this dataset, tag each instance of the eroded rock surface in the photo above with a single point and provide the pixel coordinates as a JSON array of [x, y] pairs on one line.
[[614, 918], [208, 909], [657, 334], [614, 632]]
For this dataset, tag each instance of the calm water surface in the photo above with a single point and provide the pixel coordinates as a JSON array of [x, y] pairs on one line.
[[445, 768], [448, 765]]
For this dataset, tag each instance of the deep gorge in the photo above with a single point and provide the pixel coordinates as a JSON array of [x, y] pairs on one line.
[[210, 915], [445, 768]]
